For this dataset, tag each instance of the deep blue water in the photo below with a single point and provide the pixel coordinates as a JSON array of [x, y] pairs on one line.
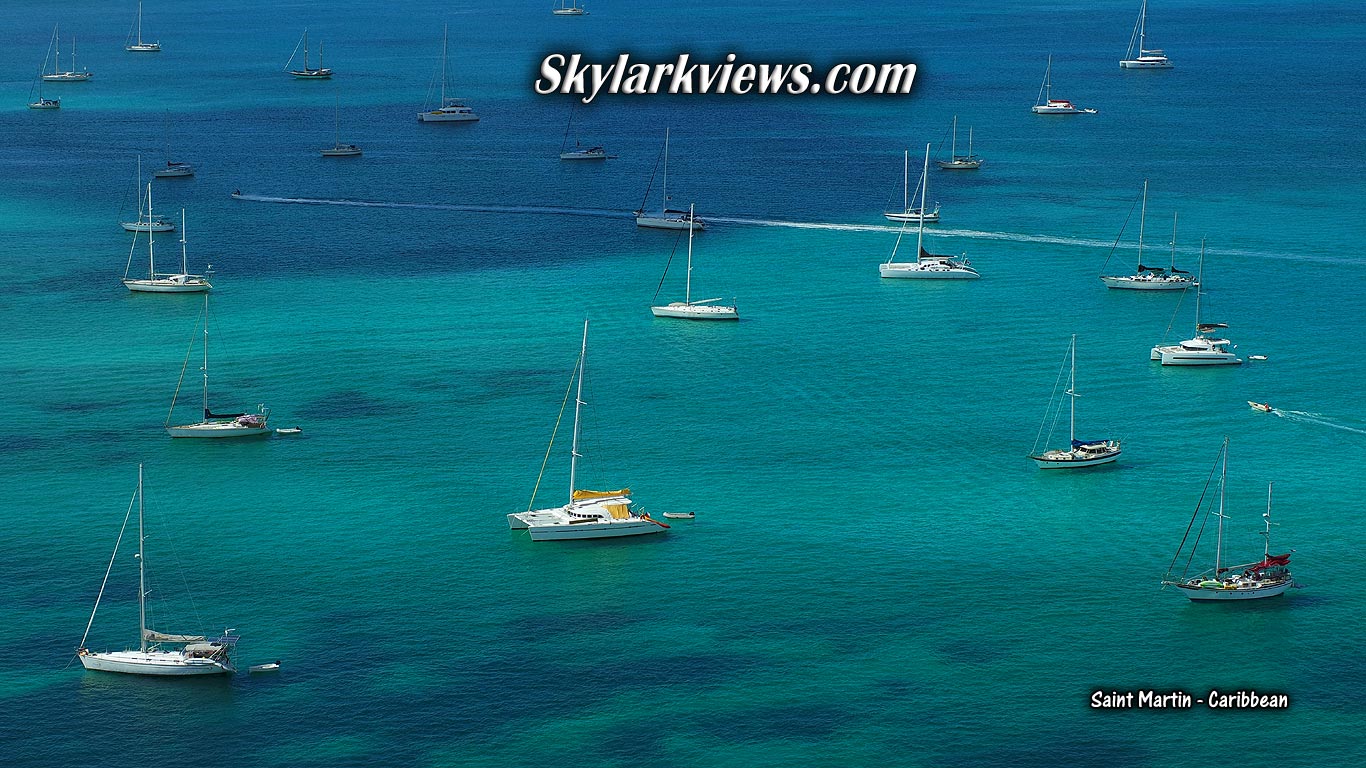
[[876, 574]]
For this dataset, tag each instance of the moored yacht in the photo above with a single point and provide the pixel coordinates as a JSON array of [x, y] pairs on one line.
[[1206, 348]]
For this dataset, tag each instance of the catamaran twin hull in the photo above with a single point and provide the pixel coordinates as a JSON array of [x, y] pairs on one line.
[[1178, 355]]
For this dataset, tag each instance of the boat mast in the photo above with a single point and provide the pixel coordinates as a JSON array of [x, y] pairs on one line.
[[1174, 216], [1142, 217], [969, 141], [924, 196], [205, 369], [578, 404], [1048, 80], [151, 258], [1142, 26], [953, 151], [664, 188], [687, 289], [906, 181], [1266, 552], [445, 28], [142, 576], [184, 268], [1223, 482], [1199, 285], [139, 22], [1072, 394], [305, 49], [57, 52]]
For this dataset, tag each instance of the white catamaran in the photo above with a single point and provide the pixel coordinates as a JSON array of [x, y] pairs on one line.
[[158, 653], [449, 109], [589, 514], [215, 425], [1206, 348]]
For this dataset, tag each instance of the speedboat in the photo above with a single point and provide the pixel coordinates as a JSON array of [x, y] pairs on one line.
[[1263, 407]]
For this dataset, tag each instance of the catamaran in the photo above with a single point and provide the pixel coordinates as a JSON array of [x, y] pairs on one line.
[[450, 109], [1206, 348], [1045, 104]]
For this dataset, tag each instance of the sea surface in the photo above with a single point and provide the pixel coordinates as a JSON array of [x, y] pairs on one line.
[[876, 574]]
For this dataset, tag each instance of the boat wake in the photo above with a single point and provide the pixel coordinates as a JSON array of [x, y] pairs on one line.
[[1307, 417], [970, 234]]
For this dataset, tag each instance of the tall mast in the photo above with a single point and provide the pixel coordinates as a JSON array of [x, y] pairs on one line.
[[142, 575], [184, 268], [205, 369], [664, 203], [687, 290], [1174, 216], [578, 404], [1223, 482], [1072, 395], [1142, 217], [906, 180], [953, 152], [924, 197], [57, 51], [139, 22], [1048, 80], [444, 30], [1199, 285], [1142, 25], [969, 142], [305, 49], [1266, 552], [151, 259]]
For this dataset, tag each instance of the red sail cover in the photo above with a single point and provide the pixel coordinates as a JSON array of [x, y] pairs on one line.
[[1273, 561]]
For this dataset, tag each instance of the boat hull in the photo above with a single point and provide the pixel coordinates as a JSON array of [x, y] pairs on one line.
[[440, 116], [959, 165], [583, 155], [311, 74], [341, 152], [173, 173], [1145, 63], [696, 312], [216, 430], [162, 664], [1176, 355], [46, 104], [1140, 284], [578, 531], [143, 47], [69, 77], [669, 222], [170, 285], [911, 271], [1219, 594], [135, 226], [912, 216], [1071, 460]]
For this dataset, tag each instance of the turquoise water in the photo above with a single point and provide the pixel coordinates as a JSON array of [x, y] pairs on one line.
[[876, 574]]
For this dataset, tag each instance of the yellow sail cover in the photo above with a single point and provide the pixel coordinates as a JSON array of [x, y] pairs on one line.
[[618, 511], [581, 495]]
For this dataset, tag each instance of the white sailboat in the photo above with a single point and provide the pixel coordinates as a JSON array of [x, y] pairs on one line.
[[215, 425], [140, 46], [569, 8], [1045, 104], [909, 210], [70, 76], [579, 152], [339, 149], [926, 265], [1151, 278], [588, 514], [158, 653], [450, 109], [179, 282], [1147, 58], [149, 222], [307, 72], [666, 217], [1268, 577], [968, 162], [40, 102], [1079, 453], [1206, 348], [687, 309]]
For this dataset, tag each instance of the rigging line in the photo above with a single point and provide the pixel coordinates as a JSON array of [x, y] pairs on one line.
[[117, 542], [292, 55], [563, 403], [677, 237], [1167, 333], [659, 157], [1120, 235], [186, 364], [1049, 408], [1198, 504], [180, 566]]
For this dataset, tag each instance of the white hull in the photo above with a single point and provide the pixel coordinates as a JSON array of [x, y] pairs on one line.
[[556, 527], [68, 77], [913, 216], [142, 226], [46, 104], [447, 116], [680, 515], [143, 47], [216, 429], [569, 11], [169, 285], [1146, 62], [1073, 459], [696, 311], [311, 74], [1138, 283], [927, 271], [173, 173], [1044, 109], [653, 221], [959, 165], [584, 155], [351, 151], [1220, 594], [1177, 355], [161, 663]]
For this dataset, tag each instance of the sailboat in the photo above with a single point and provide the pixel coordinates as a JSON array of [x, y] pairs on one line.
[[71, 76], [339, 149], [151, 222], [579, 152], [308, 73], [139, 46], [926, 265], [968, 162], [666, 218], [41, 102], [1079, 453], [158, 653], [450, 110], [155, 282], [1268, 577], [569, 8], [1045, 104], [1147, 58], [687, 309], [172, 169], [1151, 278], [909, 211], [1206, 348], [588, 514], [215, 425]]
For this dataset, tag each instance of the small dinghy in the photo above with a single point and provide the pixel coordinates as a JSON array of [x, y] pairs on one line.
[[273, 666], [1263, 407], [680, 515], [289, 430], [1256, 357]]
